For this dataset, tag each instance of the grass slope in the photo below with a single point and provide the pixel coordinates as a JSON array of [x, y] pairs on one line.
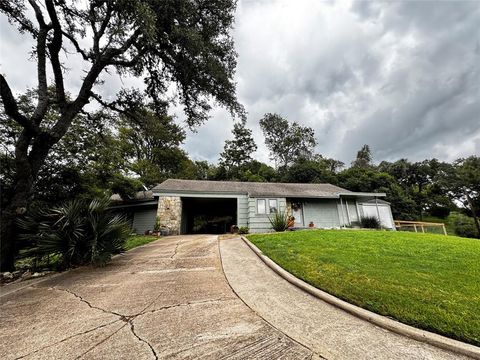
[[425, 280], [138, 240]]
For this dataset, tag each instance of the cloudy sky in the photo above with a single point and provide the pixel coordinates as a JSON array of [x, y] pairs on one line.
[[403, 77]]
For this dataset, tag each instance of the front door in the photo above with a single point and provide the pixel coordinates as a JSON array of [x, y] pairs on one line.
[[297, 212]]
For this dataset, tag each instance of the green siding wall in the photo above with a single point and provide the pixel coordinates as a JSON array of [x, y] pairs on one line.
[[144, 220], [259, 223], [323, 213], [242, 210]]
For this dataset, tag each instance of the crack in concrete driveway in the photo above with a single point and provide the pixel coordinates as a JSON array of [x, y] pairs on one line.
[[169, 299]]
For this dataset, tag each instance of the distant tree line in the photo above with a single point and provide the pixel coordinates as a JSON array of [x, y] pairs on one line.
[[129, 153]]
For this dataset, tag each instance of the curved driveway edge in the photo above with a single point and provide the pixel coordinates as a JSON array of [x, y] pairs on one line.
[[327, 330], [379, 320], [167, 299]]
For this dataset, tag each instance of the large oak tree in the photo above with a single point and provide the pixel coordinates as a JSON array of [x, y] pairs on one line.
[[184, 42]]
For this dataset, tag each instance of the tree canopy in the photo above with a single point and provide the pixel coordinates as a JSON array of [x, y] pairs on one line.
[[180, 43], [286, 141], [239, 150]]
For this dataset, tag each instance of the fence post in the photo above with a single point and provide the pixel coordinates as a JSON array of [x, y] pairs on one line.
[[444, 230]]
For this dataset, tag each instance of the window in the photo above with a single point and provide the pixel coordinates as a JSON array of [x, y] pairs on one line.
[[272, 205], [267, 206], [261, 206]]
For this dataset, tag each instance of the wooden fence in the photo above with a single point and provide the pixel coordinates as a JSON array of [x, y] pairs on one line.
[[419, 225]]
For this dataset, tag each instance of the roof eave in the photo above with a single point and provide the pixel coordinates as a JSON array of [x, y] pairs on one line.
[[367, 194], [170, 191]]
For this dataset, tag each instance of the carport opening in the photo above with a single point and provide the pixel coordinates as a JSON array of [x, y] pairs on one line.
[[208, 215]]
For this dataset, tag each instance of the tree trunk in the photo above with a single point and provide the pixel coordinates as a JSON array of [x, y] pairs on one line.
[[474, 213], [26, 170], [8, 236]]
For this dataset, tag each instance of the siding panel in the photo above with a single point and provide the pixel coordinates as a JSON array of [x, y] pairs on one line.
[[144, 220], [323, 213], [260, 222]]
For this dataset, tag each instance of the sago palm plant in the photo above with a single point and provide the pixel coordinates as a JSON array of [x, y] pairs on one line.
[[81, 232]]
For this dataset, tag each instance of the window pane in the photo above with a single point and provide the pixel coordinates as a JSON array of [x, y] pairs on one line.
[[272, 204], [261, 206]]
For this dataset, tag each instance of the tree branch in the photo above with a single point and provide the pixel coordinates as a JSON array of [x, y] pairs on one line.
[[76, 45], [42, 104], [54, 47], [11, 107], [16, 13], [111, 106]]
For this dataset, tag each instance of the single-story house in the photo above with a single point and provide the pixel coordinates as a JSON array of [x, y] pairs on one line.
[[197, 206]]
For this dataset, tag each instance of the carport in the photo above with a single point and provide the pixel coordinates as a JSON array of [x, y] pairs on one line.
[[208, 215]]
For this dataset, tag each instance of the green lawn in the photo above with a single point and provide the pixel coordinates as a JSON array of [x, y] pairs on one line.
[[425, 280], [138, 240]]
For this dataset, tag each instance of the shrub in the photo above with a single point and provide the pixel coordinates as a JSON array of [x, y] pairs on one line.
[[80, 232], [243, 230], [157, 225], [463, 225], [440, 211], [370, 222], [279, 221]]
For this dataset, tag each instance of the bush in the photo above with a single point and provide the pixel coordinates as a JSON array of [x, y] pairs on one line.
[[440, 211], [279, 221], [157, 225], [370, 222], [80, 232], [243, 230], [463, 225]]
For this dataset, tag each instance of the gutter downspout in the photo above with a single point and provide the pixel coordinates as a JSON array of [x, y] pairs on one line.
[[341, 210], [348, 213]]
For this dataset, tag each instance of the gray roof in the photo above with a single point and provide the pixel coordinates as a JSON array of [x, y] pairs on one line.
[[139, 196], [253, 188]]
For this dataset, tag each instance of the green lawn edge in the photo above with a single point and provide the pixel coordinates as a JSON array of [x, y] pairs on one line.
[[428, 281], [139, 240]]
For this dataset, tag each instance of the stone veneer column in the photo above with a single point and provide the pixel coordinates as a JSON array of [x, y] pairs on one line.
[[170, 213], [288, 207]]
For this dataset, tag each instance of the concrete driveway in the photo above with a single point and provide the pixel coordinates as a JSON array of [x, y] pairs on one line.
[[166, 300]]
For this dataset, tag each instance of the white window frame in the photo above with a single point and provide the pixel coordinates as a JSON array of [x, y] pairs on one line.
[[267, 205]]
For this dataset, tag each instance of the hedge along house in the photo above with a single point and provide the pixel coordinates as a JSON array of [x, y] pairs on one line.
[[194, 206]]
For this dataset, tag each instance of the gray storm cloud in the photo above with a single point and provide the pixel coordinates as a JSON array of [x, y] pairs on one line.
[[403, 77]]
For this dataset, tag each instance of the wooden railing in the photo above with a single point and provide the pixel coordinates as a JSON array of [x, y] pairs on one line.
[[416, 225]]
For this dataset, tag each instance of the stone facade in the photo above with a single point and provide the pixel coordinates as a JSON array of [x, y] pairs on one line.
[[170, 213]]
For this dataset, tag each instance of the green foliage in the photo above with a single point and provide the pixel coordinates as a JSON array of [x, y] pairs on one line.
[[370, 222], [425, 280], [316, 169], [157, 225], [364, 157], [286, 141], [463, 225], [279, 221], [465, 186], [238, 152], [243, 230], [80, 232], [149, 141]]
